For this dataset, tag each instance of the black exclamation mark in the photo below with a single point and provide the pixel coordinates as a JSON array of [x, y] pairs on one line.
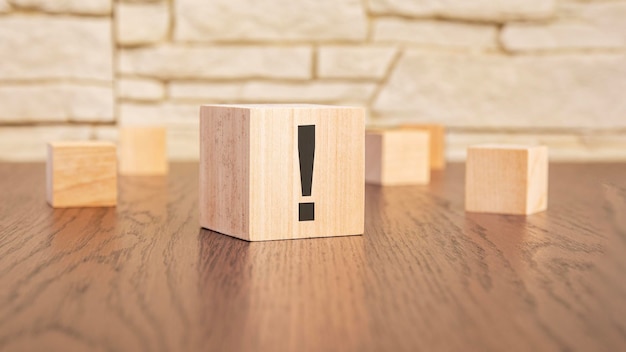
[[306, 152]]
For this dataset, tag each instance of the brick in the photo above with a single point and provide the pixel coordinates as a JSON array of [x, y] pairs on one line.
[[140, 89], [254, 91], [274, 20], [51, 102], [482, 10], [369, 62], [142, 23], [587, 25], [436, 33], [82, 7], [46, 47], [488, 90], [4, 6], [180, 62]]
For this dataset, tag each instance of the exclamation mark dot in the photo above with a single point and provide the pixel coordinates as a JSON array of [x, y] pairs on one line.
[[306, 153]]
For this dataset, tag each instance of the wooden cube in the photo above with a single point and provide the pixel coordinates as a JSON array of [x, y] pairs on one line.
[[397, 157], [506, 179], [270, 172], [142, 151], [81, 174], [437, 143]]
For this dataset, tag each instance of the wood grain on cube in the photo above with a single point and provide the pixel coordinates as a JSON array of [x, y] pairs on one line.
[[506, 179], [224, 197], [142, 151], [81, 174], [397, 157], [437, 143], [250, 171]]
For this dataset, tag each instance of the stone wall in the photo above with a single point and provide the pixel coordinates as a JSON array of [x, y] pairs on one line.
[[520, 71]]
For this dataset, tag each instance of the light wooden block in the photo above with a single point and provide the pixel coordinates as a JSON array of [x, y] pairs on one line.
[[506, 179], [397, 157], [81, 174], [437, 143], [142, 151], [250, 171]]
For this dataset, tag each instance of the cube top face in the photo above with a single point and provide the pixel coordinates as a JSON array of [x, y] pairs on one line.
[[80, 145], [277, 106], [506, 179], [143, 151], [81, 174], [397, 157], [431, 127], [505, 147], [270, 172]]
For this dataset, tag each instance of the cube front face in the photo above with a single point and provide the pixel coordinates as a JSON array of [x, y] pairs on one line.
[[300, 171], [81, 174], [142, 151], [437, 144], [397, 157], [506, 180]]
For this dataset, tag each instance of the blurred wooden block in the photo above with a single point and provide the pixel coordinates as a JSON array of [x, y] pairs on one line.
[[506, 179], [81, 174], [397, 157], [142, 151], [270, 172], [437, 143]]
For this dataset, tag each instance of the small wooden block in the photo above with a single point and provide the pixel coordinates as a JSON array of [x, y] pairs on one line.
[[397, 157], [437, 144], [81, 174], [142, 151], [506, 179], [256, 163]]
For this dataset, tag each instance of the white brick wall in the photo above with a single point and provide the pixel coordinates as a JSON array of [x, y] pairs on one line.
[[549, 71]]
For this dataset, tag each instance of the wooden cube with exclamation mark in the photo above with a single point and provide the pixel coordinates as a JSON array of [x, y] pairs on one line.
[[271, 172]]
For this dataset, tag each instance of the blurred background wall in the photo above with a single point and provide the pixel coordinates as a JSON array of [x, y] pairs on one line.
[[520, 71]]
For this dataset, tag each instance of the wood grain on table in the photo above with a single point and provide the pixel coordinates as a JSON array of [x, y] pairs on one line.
[[426, 276]]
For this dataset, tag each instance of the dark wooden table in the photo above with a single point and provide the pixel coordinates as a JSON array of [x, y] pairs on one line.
[[426, 276]]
